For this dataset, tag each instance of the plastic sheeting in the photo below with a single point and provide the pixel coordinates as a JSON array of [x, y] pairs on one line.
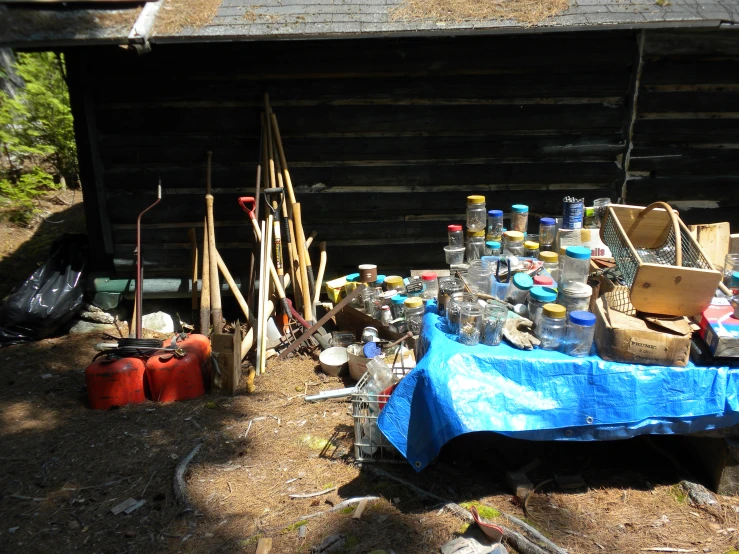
[[544, 395]]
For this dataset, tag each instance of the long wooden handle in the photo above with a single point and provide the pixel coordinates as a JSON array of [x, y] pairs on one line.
[[234, 289], [194, 260], [675, 227], [208, 172], [283, 160], [321, 270], [262, 309], [216, 313], [205, 287], [307, 307]]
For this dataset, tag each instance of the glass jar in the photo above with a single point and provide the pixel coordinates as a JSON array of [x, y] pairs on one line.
[[531, 249], [414, 314], [547, 232], [538, 297], [553, 327], [397, 306], [430, 284], [495, 225], [456, 237], [731, 271], [513, 243], [551, 264], [543, 281], [518, 291], [475, 245], [386, 315], [576, 266], [600, 207], [447, 287], [520, 218], [454, 254], [588, 220], [579, 335], [575, 297], [394, 282], [493, 320], [476, 213], [454, 307], [470, 324], [387, 297], [492, 248], [371, 301], [479, 277]]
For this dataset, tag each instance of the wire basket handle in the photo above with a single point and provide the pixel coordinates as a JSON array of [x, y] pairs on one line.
[[675, 227]]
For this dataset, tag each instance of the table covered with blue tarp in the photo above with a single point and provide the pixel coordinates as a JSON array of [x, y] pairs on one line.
[[545, 395]]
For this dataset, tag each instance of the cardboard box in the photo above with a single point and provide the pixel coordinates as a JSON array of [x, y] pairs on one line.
[[651, 341], [720, 329]]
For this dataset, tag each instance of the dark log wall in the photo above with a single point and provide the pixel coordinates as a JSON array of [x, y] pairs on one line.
[[384, 138]]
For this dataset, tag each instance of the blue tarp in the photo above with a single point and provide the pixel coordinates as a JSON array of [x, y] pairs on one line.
[[544, 395]]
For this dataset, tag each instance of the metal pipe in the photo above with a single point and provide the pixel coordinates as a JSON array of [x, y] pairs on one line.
[[139, 268]]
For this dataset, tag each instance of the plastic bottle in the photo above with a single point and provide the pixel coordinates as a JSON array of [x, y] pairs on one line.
[[576, 266], [476, 213], [492, 248], [520, 218], [580, 332], [519, 289], [397, 305], [431, 285], [538, 298], [513, 243], [495, 225], [456, 237], [531, 249]]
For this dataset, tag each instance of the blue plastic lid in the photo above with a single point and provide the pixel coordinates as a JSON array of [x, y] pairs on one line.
[[398, 299], [495, 213], [547, 221], [578, 252], [352, 277], [371, 349], [586, 319], [519, 208], [543, 294], [523, 281], [492, 244], [380, 279]]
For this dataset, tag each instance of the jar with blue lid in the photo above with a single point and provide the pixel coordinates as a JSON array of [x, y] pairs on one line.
[[493, 248], [396, 305], [580, 333], [538, 296], [520, 218], [547, 233], [518, 291], [576, 266], [495, 225]]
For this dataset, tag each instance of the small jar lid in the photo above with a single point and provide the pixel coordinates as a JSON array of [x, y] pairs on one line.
[[454, 228], [428, 276], [578, 252], [413, 302], [475, 233], [492, 244], [543, 281], [547, 221], [555, 311], [393, 280], [523, 281], [385, 307], [586, 319], [389, 294], [398, 298], [514, 236], [476, 199], [545, 295], [549, 257], [519, 208], [531, 245], [495, 213], [352, 277], [735, 276], [578, 290], [380, 279]]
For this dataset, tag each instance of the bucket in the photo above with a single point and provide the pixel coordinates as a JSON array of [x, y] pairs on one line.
[[357, 361], [333, 360]]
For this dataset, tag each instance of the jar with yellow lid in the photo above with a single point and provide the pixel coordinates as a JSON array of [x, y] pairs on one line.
[[551, 264], [476, 213], [475, 245], [394, 282], [531, 249], [553, 327], [414, 309], [513, 243]]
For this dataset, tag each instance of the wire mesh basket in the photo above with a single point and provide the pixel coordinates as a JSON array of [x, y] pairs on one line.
[[370, 445], [665, 269]]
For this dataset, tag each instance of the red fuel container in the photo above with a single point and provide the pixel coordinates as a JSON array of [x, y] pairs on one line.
[[115, 382], [173, 378]]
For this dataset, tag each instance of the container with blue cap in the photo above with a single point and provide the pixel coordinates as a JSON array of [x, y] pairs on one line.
[[520, 218], [580, 332], [352, 282], [576, 266], [538, 296], [492, 248], [495, 225], [518, 291], [396, 305], [547, 233]]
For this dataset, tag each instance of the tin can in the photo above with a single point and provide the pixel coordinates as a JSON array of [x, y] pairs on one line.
[[370, 334], [573, 213]]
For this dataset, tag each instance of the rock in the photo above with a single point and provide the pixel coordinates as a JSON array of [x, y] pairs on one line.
[[159, 322], [332, 543], [97, 317], [87, 327], [698, 494]]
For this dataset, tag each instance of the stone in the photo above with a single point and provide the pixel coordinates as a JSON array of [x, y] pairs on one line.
[[159, 322], [81, 327], [698, 494]]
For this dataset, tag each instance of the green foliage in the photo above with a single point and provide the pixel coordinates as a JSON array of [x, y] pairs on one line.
[[36, 134], [486, 512]]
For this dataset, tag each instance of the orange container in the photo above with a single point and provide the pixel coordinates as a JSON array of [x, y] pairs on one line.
[[171, 377], [115, 383]]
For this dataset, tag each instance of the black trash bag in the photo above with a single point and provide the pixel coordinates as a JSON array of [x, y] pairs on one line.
[[50, 297]]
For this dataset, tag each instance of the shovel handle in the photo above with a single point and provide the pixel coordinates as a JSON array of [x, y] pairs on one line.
[[245, 201]]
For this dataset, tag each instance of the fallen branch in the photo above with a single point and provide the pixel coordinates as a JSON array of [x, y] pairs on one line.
[[518, 541], [312, 494], [668, 549], [180, 488], [340, 506]]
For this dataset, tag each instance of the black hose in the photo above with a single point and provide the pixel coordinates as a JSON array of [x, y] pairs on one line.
[[134, 348]]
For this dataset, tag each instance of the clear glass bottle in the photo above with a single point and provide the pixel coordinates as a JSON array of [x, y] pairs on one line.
[[520, 218], [371, 301], [397, 306], [470, 324], [475, 245], [580, 332], [576, 266], [492, 248], [518, 291], [551, 264], [476, 213], [495, 225], [588, 220], [493, 319], [447, 287], [454, 254], [431, 285], [547, 233], [575, 297], [538, 297], [531, 249], [513, 243], [386, 315], [600, 206], [553, 327], [454, 307], [456, 237], [414, 310]]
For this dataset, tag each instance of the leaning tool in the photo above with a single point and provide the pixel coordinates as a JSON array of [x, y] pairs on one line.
[[275, 207], [139, 266], [194, 258], [216, 313], [205, 285]]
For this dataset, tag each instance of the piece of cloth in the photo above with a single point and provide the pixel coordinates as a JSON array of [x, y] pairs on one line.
[[545, 395]]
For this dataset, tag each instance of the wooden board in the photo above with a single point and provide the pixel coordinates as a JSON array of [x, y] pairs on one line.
[[714, 238], [678, 291], [734, 244], [228, 349]]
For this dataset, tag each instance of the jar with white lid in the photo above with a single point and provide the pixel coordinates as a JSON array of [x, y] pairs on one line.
[[476, 213]]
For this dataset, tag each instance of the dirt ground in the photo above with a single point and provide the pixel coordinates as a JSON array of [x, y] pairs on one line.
[[63, 467]]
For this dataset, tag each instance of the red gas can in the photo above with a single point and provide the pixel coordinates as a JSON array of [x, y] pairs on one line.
[[115, 382], [173, 376]]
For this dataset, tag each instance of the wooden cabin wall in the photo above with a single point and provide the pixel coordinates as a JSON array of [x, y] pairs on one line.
[[386, 137], [686, 131]]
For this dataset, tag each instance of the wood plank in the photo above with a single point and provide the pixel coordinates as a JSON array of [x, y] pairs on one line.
[[714, 239], [227, 347], [679, 291], [734, 244], [691, 70]]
